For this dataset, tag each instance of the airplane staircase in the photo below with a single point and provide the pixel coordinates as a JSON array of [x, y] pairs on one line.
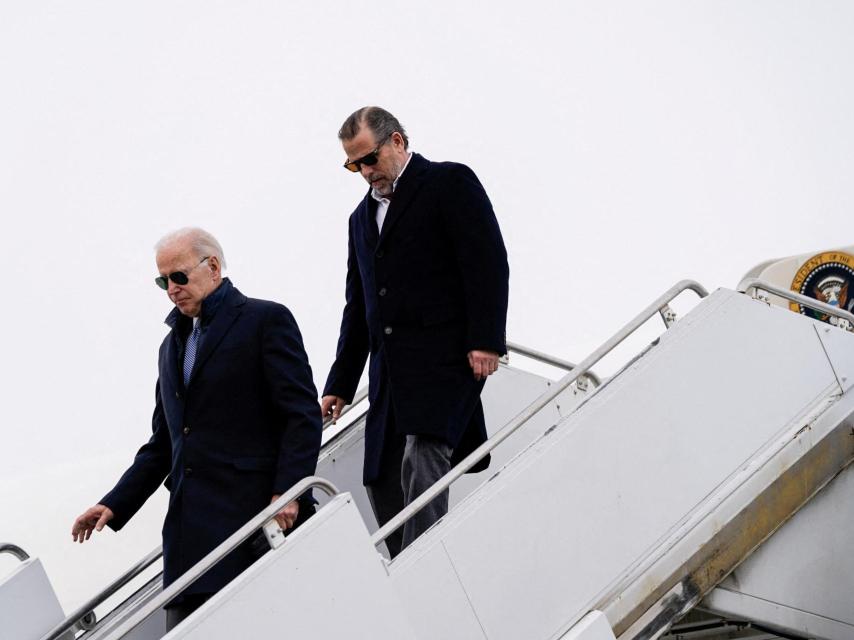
[[340, 461], [704, 474]]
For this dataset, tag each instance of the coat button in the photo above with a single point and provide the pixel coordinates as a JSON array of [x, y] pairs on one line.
[[383, 291], [186, 431], [178, 395], [380, 253], [188, 471], [387, 331]]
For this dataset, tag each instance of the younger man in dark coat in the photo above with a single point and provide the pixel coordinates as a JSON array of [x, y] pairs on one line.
[[426, 296]]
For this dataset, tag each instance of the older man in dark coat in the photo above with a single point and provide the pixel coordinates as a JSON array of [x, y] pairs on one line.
[[426, 296], [236, 421]]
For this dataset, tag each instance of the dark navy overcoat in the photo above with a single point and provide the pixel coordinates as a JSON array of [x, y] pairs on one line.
[[419, 296], [246, 427]]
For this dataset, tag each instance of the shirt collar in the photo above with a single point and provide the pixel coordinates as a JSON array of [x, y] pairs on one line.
[[380, 198]]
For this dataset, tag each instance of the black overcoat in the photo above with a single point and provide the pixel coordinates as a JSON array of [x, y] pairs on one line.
[[419, 296], [246, 427]]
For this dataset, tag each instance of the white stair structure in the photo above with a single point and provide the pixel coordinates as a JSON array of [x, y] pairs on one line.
[[608, 512], [28, 606]]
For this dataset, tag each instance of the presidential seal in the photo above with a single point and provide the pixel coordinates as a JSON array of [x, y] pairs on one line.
[[827, 277]]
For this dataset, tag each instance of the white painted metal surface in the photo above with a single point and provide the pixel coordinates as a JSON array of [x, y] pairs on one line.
[[739, 495], [802, 579], [840, 351], [506, 393], [152, 628], [28, 605], [593, 626], [580, 518], [326, 582], [573, 519]]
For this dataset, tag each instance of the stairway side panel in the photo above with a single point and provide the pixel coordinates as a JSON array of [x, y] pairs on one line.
[[585, 503], [807, 565]]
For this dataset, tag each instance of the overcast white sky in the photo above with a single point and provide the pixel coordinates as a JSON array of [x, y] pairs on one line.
[[625, 145]]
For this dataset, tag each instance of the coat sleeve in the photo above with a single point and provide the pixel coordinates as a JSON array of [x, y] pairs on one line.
[[353, 343], [293, 396], [149, 468], [482, 258]]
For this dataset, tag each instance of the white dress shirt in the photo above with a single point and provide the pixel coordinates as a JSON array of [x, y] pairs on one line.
[[382, 207]]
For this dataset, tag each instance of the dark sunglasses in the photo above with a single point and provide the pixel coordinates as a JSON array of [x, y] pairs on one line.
[[369, 159], [179, 277]]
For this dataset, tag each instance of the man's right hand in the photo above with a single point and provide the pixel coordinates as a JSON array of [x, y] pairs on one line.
[[94, 518], [332, 406]]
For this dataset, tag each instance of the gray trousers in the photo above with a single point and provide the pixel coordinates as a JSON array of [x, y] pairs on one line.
[[409, 469]]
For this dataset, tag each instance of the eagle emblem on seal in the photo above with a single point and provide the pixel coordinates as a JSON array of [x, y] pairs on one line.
[[826, 277]]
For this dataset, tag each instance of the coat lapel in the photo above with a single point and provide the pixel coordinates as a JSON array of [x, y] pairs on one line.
[[222, 321], [403, 194], [369, 220], [170, 366]]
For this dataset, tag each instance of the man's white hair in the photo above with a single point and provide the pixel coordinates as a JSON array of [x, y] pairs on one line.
[[202, 242]]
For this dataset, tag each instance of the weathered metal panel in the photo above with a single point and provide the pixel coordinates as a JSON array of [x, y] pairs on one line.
[[792, 479], [660, 448], [802, 578]]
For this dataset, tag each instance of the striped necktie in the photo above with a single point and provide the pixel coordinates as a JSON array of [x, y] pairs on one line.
[[190, 351]]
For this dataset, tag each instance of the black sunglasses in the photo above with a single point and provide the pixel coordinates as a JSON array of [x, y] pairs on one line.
[[179, 277], [369, 159]]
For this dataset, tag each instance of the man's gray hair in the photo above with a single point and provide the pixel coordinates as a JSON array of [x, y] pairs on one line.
[[202, 242], [378, 120]]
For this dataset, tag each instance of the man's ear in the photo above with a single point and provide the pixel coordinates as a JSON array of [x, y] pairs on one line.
[[214, 265]]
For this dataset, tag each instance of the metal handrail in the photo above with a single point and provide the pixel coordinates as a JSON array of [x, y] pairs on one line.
[[526, 414], [99, 628], [756, 284], [361, 394], [15, 550], [87, 608], [552, 360], [224, 548]]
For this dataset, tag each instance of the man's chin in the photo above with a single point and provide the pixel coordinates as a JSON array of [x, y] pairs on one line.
[[187, 309], [382, 188]]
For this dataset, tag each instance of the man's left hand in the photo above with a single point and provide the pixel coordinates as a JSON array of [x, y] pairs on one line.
[[483, 363], [287, 516]]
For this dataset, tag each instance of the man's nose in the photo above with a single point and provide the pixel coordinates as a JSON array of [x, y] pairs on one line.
[[366, 171], [172, 289]]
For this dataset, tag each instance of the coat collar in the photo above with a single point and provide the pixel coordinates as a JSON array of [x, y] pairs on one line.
[[230, 308], [221, 314], [409, 183], [209, 306], [371, 230]]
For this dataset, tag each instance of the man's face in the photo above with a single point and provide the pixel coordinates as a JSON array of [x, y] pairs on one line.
[[202, 278], [391, 158]]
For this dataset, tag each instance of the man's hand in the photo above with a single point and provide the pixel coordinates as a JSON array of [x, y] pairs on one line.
[[287, 516], [94, 518], [332, 406], [483, 363]]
